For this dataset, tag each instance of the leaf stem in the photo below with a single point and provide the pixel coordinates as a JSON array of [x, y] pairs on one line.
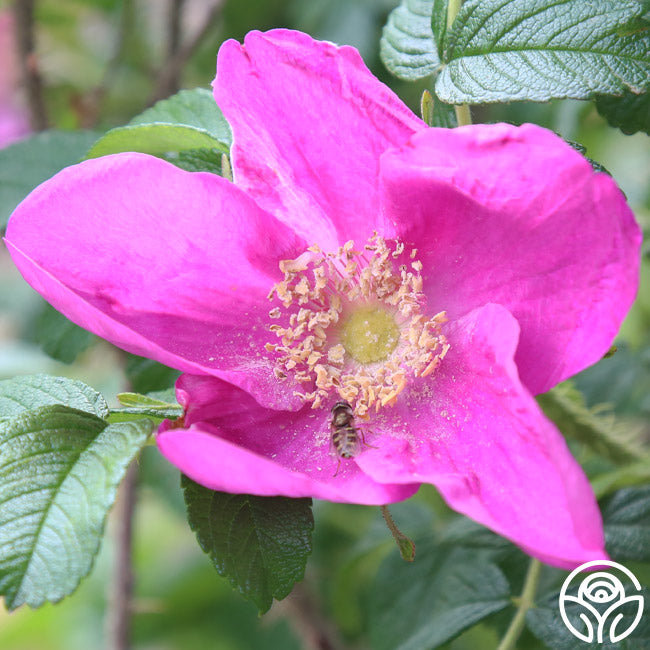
[[525, 602], [463, 115], [118, 616]]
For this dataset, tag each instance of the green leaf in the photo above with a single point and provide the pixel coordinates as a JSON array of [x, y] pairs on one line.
[[630, 112], [261, 544], [436, 113], [187, 121], [439, 12], [28, 163], [626, 476], [32, 391], [197, 160], [597, 167], [146, 375], [60, 338], [546, 623], [407, 46], [505, 50], [136, 400], [154, 139], [429, 602], [144, 406], [627, 524], [566, 407], [195, 108], [59, 472]]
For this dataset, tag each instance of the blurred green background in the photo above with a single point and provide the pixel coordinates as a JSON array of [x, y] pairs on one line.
[[103, 61]]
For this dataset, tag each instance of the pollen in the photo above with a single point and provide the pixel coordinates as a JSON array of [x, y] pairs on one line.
[[353, 324]]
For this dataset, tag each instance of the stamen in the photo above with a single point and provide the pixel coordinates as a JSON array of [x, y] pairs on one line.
[[355, 324]]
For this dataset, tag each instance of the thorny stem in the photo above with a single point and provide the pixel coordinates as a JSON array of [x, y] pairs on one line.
[[463, 114], [118, 616], [526, 602]]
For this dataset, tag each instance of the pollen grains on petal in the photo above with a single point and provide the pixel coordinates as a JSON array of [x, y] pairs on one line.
[[353, 323]]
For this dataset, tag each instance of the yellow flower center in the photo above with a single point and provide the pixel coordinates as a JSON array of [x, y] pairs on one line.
[[369, 334], [354, 324]]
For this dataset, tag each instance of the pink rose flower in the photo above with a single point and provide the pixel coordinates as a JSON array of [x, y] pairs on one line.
[[434, 279]]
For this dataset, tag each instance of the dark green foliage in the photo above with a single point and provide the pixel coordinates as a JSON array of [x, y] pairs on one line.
[[28, 163], [146, 375], [261, 544], [60, 338], [627, 530], [429, 602], [630, 112]]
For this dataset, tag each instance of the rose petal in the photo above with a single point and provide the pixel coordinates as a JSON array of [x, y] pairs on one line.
[[232, 444], [161, 262], [477, 434], [513, 215], [309, 122]]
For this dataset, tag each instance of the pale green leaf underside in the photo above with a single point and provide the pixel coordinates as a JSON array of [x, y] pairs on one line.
[[503, 50], [154, 139], [59, 472], [407, 45], [32, 391]]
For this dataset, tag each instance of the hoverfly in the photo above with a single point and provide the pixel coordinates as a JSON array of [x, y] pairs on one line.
[[346, 437]]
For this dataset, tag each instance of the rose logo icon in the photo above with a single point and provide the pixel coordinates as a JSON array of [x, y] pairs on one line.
[[607, 612]]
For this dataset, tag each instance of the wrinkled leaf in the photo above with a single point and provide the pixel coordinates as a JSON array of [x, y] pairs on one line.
[[629, 112], [407, 46], [505, 50], [261, 544], [188, 121], [627, 525], [429, 602], [32, 391], [195, 108], [59, 472], [546, 623]]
